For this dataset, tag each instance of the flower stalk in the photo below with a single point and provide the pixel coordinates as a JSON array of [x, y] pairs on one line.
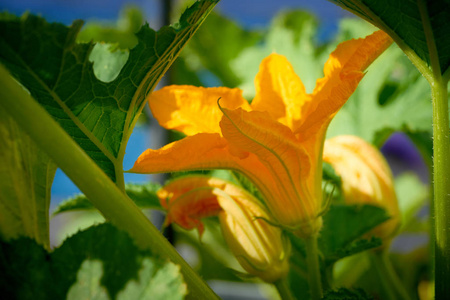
[[282, 287], [312, 262]]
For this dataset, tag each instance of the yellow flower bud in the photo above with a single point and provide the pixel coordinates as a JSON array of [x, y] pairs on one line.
[[258, 246], [366, 178]]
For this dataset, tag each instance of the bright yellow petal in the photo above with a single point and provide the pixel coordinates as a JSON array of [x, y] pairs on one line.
[[343, 71], [192, 110], [277, 148], [279, 91]]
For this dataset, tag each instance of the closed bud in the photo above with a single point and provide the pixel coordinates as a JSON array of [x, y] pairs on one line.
[[260, 247], [366, 178]]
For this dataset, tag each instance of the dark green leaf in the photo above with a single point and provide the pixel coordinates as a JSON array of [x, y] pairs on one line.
[[339, 238], [56, 70], [26, 175], [144, 195], [407, 21], [99, 263], [353, 248]]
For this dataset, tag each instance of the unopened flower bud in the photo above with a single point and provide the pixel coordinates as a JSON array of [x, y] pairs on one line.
[[366, 178]]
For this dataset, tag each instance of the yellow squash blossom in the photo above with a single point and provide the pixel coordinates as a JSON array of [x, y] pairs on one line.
[[258, 246], [366, 178], [276, 141]]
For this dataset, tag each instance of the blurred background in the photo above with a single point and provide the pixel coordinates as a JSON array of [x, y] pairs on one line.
[[226, 52]]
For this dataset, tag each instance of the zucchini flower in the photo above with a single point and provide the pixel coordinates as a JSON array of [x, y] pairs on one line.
[[258, 246], [276, 141], [366, 178]]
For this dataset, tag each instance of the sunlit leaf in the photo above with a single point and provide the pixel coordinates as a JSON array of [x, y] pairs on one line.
[[121, 35], [56, 70], [26, 174]]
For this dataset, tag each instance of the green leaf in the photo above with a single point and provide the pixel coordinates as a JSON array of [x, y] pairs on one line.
[[339, 239], [98, 115], [215, 54], [144, 195], [26, 175], [408, 23], [121, 35], [343, 293], [99, 263]]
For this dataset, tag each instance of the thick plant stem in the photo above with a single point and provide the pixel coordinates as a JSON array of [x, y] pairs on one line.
[[92, 181], [441, 178], [283, 289], [312, 262]]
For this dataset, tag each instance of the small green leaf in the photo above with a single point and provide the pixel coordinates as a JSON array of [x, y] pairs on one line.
[[26, 175], [339, 238], [144, 195], [407, 22], [99, 263]]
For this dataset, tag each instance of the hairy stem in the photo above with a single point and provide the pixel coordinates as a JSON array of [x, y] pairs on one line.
[[441, 178], [92, 181], [312, 262]]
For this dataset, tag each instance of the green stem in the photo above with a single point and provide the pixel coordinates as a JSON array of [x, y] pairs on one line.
[[441, 178], [312, 262], [441, 161], [391, 276], [92, 181], [283, 289]]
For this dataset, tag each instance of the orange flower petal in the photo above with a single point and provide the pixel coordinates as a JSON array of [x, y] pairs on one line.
[[188, 200], [192, 110], [277, 148], [279, 91], [204, 152], [343, 71]]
